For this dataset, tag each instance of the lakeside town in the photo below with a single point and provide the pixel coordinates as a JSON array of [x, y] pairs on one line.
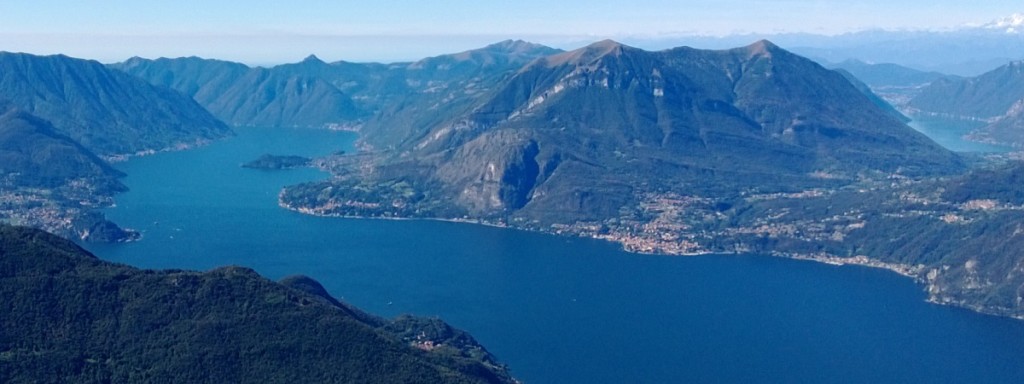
[[70, 210]]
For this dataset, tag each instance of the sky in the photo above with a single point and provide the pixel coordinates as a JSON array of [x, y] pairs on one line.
[[263, 32]]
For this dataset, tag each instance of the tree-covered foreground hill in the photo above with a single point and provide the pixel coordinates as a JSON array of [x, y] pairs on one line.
[[67, 316]]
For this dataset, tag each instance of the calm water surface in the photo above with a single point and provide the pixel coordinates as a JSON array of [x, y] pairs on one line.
[[559, 310], [950, 133]]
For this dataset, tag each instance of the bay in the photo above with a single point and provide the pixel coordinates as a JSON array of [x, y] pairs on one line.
[[556, 309]]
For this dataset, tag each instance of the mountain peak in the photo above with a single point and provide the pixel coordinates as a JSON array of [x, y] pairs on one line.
[[312, 59], [761, 48], [589, 53], [607, 46]]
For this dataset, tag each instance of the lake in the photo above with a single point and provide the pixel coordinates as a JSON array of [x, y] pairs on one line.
[[556, 309], [950, 132]]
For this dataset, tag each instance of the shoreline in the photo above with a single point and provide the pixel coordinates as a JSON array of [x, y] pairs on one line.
[[913, 272], [177, 147], [310, 212]]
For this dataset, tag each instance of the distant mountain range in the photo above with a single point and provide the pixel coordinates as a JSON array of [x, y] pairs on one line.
[[963, 51], [313, 93], [995, 97], [994, 100], [243, 96], [888, 75], [70, 317], [984, 97], [106, 111]]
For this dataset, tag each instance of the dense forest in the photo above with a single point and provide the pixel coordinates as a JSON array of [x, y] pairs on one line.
[[70, 317]]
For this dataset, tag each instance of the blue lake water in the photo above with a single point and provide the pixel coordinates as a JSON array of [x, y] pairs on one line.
[[559, 310], [949, 133]]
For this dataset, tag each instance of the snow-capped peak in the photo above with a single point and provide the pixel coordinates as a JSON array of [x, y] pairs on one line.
[[1012, 24]]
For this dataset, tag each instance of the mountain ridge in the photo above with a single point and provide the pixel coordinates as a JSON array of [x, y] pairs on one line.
[[607, 112], [106, 111], [888, 74], [875, 98], [31, 149], [244, 96], [314, 93], [685, 151], [986, 96]]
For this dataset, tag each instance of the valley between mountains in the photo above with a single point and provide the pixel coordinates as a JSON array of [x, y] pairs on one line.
[[682, 151]]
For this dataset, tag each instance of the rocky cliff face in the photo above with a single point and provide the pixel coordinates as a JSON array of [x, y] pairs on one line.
[[493, 173]]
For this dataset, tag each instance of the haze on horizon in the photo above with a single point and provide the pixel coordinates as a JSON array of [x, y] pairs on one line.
[[269, 32]]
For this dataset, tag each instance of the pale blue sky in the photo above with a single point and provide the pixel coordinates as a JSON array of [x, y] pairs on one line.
[[265, 31]]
